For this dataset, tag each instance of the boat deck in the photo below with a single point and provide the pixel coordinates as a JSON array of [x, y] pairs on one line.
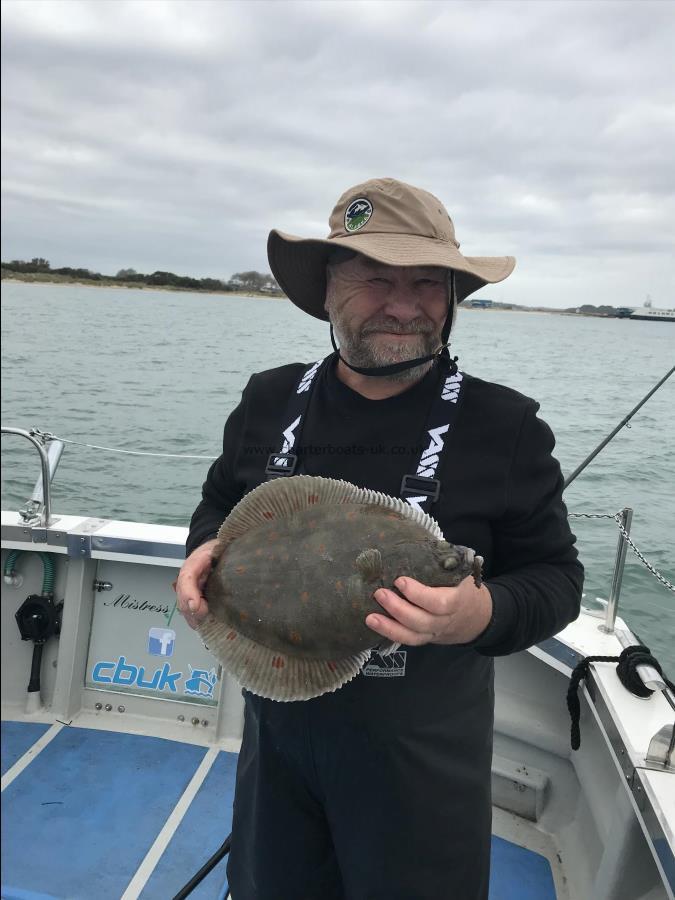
[[89, 812]]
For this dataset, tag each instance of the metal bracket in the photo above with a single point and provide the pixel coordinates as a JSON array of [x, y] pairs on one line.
[[48, 536], [660, 753], [79, 546]]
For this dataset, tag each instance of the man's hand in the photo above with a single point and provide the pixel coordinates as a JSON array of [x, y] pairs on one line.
[[191, 582], [432, 615]]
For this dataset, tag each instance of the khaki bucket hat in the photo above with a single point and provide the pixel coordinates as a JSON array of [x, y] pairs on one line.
[[388, 221]]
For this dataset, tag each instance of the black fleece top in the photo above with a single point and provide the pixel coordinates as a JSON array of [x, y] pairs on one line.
[[501, 489]]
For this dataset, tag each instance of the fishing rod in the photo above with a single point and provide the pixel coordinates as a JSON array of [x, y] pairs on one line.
[[618, 428]]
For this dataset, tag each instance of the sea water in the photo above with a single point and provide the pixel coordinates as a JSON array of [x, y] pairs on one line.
[[159, 371]]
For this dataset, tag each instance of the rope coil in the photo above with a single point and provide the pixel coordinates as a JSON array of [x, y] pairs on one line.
[[628, 662]]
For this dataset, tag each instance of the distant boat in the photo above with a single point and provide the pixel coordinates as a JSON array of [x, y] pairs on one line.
[[649, 314]]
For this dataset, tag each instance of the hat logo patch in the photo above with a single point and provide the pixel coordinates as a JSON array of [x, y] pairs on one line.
[[357, 214]]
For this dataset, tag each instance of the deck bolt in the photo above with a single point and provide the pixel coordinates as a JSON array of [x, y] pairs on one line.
[[205, 722], [181, 718], [108, 707], [195, 721], [98, 706], [120, 709]]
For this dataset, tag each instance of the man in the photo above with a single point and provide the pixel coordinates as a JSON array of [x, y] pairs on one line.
[[382, 788]]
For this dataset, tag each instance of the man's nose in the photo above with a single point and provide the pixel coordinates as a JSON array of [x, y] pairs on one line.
[[402, 303]]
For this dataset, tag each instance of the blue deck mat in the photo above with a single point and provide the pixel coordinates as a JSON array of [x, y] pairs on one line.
[[79, 820], [205, 826], [17, 737], [519, 874]]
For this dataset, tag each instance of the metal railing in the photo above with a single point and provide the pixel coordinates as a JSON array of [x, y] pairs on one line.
[[38, 509], [625, 519]]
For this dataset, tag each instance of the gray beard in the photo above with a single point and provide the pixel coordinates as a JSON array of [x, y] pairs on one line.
[[360, 349]]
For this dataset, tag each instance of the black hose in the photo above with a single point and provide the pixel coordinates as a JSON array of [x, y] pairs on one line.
[[34, 683], [205, 869]]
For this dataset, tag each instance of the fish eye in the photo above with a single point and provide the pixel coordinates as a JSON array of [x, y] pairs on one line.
[[451, 561]]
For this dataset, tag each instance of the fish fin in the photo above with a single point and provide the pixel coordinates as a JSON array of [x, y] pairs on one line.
[[369, 565], [275, 675], [386, 649], [282, 497]]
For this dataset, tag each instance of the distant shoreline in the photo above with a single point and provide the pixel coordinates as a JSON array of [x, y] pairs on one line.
[[66, 281]]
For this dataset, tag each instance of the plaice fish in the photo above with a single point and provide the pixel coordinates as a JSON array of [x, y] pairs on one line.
[[298, 560]]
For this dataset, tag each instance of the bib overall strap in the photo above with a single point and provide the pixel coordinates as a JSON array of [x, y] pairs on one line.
[[423, 488], [285, 462]]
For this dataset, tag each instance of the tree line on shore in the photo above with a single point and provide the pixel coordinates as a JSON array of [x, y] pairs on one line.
[[240, 281]]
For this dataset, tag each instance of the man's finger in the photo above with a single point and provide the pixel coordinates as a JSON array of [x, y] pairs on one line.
[[436, 601], [190, 598], [408, 614], [393, 630], [195, 617]]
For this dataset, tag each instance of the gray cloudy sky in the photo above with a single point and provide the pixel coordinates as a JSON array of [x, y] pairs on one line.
[[174, 135]]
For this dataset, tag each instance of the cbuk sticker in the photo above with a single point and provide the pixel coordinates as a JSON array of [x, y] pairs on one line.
[[121, 673]]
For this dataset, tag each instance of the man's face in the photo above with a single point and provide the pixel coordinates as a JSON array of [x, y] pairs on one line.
[[387, 314]]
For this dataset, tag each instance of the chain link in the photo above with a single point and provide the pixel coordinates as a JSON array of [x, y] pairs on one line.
[[617, 518], [593, 515], [655, 573]]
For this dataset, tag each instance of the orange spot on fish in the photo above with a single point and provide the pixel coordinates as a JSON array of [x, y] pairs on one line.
[[240, 569], [231, 635], [313, 498], [258, 552], [296, 637], [304, 597], [338, 585], [351, 515], [311, 523], [331, 666], [322, 548], [243, 616], [268, 515], [278, 662], [381, 535]]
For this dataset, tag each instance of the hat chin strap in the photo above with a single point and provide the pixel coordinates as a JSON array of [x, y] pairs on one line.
[[443, 353]]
